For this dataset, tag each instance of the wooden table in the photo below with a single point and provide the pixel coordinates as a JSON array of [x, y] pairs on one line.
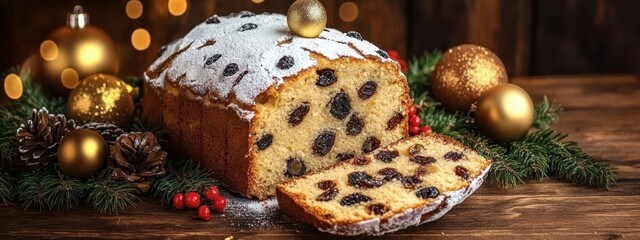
[[602, 113]]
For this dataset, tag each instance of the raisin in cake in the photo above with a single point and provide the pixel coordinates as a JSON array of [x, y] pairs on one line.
[[410, 182], [258, 105]]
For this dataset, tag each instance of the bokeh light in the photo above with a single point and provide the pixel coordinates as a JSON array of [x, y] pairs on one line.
[[134, 9], [348, 11], [257, 1], [177, 7], [89, 54], [49, 50], [69, 78], [13, 86], [140, 39]]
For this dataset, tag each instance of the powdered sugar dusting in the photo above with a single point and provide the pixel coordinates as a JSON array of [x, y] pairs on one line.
[[258, 214], [235, 58]]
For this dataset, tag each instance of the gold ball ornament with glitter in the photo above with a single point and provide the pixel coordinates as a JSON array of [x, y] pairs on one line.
[[504, 112], [307, 18], [82, 152], [463, 73], [101, 98]]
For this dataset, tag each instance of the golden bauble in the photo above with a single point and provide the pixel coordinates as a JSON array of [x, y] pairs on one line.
[[75, 51], [101, 98], [464, 73], [307, 18], [81, 153], [504, 112]]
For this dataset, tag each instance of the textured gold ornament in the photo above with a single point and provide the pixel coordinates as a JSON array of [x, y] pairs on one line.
[[75, 51], [81, 153], [464, 73], [504, 112], [101, 98], [307, 18]]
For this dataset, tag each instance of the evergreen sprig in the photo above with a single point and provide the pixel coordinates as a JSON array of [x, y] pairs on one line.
[[107, 195], [540, 154], [48, 189], [183, 176], [7, 188]]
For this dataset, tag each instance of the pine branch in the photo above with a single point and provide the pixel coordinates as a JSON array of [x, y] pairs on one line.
[[144, 125], [419, 74], [183, 176], [7, 188], [546, 114], [108, 195], [48, 189]]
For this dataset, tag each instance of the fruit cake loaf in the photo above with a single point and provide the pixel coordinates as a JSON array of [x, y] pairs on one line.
[[407, 183], [258, 105]]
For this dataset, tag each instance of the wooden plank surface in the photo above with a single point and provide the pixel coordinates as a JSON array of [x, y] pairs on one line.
[[602, 114]]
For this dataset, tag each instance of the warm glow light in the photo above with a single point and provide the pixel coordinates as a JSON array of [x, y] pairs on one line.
[[134, 9], [13, 86], [140, 39], [177, 7], [90, 148], [348, 11], [257, 1], [49, 50], [69, 78], [89, 54]]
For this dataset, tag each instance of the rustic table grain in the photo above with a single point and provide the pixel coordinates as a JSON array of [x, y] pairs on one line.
[[602, 113]]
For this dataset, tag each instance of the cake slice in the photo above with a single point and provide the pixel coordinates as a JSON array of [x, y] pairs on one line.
[[407, 183]]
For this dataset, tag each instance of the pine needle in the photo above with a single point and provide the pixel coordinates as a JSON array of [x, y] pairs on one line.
[[48, 189], [7, 188], [183, 176], [107, 195]]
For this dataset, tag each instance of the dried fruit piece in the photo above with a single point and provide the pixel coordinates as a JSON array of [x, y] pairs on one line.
[[247, 14], [344, 156], [354, 125], [213, 58], [363, 180], [422, 160], [367, 90], [389, 174], [230, 69], [410, 181], [361, 160], [340, 105], [462, 172], [265, 141], [394, 121], [370, 144], [420, 171], [355, 35], [323, 143], [415, 149], [377, 209], [427, 192], [354, 198], [383, 54], [298, 114], [213, 19], [162, 50], [285, 62], [247, 27], [326, 77], [386, 155], [326, 184], [454, 156], [327, 195], [295, 167]]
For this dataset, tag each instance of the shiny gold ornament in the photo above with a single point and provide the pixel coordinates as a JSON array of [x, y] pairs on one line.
[[504, 112], [307, 18], [101, 98], [464, 73], [81, 153], [75, 51]]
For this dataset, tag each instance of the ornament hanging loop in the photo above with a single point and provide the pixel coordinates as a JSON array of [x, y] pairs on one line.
[[77, 19]]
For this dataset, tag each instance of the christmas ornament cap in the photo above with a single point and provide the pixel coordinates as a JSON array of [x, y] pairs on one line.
[[307, 18], [77, 18]]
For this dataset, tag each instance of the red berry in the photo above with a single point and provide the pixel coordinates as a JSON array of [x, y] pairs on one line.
[[412, 110], [192, 200], [415, 120], [211, 193], [393, 54], [204, 213], [414, 130], [425, 129], [178, 201], [219, 203]]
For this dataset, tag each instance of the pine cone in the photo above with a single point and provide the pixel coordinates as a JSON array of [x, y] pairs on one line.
[[39, 136], [108, 131], [137, 158]]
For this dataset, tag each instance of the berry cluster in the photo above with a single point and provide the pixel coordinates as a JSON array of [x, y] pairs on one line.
[[193, 200], [415, 122]]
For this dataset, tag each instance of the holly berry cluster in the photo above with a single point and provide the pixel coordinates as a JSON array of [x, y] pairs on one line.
[[415, 122], [193, 200]]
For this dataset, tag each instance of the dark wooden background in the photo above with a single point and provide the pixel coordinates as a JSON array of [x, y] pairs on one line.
[[533, 37]]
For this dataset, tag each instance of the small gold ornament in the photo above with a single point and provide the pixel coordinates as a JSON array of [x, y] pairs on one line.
[[307, 18], [463, 73], [504, 112], [81, 153], [75, 51], [101, 98]]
